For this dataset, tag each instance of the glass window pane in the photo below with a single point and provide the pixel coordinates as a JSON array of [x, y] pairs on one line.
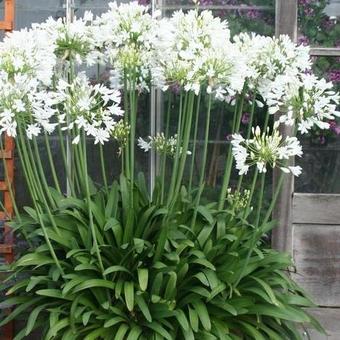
[[319, 23], [243, 16], [30, 11]]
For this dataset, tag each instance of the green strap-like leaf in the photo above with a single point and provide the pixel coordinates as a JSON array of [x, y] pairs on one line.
[[114, 321], [33, 317], [53, 331], [143, 307], [202, 313], [143, 275], [129, 295], [94, 283]]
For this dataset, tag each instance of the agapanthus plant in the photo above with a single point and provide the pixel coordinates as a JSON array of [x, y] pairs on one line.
[[113, 260]]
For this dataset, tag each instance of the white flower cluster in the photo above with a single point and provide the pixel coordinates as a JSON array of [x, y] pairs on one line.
[[75, 40], [28, 53], [161, 144], [91, 108], [269, 58], [306, 102], [265, 149], [27, 60], [127, 33], [194, 51]]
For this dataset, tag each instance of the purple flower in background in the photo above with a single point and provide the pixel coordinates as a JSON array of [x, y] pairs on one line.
[[328, 23], [304, 2], [229, 137], [303, 40], [175, 88], [334, 76], [322, 140], [253, 14], [245, 118], [206, 2], [309, 11], [144, 2], [333, 126]]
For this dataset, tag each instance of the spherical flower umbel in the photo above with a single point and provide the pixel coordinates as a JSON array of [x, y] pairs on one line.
[[28, 53], [265, 149], [194, 51], [91, 108], [269, 58], [307, 102], [127, 33], [73, 41]]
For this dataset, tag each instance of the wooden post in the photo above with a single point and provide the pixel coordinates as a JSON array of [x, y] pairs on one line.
[[285, 23]]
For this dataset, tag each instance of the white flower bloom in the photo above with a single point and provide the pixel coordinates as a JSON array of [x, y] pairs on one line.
[[29, 54], [306, 102], [143, 144], [264, 150], [90, 108], [73, 40], [127, 33], [32, 130], [161, 144], [194, 51], [269, 58]]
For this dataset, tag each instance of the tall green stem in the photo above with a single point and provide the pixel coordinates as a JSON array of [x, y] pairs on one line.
[[88, 199], [64, 157], [204, 161], [164, 158], [133, 121], [229, 161], [259, 200], [178, 146], [186, 139], [51, 161], [103, 168], [250, 124], [126, 152], [206, 142], [275, 197], [32, 184], [193, 155], [41, 171]]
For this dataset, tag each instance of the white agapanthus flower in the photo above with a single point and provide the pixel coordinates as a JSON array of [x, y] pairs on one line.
[[29, 53], [270, 57], [23, 102], [307, 102], [127, 33], [91, 108], [194, 50], [161, 144], [73, 40], [265, 149]]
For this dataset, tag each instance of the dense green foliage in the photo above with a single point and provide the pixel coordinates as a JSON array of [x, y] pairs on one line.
[[213, 281]]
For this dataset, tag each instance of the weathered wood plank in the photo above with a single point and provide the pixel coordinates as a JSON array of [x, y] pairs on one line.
[[316, 208], [330, 320], [317, 260], [325, 51]]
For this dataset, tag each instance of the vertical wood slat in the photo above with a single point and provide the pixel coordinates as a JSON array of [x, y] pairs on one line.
[[7, 246], [285, 23], [8, 25]]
